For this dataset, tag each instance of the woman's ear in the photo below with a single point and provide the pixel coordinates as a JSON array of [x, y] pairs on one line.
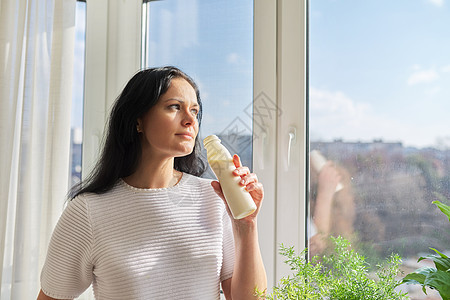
[[139, 125]]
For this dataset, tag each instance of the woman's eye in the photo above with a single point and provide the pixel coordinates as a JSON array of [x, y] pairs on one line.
[[194, 111], [175, 106]]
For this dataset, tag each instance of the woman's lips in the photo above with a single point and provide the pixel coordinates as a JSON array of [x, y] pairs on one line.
[[185, 135]]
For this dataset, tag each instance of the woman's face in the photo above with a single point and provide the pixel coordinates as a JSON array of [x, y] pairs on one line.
[[170, 127]]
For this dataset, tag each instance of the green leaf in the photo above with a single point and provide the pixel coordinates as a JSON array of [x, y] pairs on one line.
[[440, 281], [441, 254], [418, 276], [444, 208], [414, 278], [442, 263]]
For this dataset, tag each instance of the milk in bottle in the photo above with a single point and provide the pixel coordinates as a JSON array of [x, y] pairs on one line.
[[239, 200]]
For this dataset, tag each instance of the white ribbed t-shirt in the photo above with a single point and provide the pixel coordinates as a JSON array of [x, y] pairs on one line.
[[130, 243]]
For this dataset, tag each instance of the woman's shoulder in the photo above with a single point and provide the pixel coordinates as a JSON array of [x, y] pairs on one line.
[[87, 198]]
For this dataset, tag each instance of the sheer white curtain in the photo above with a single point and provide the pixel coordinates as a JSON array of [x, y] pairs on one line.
[[36, 62]]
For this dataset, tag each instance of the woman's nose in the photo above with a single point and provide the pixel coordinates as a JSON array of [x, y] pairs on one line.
[[189, 119]]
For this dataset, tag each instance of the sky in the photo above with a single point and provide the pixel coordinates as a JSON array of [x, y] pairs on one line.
[[78, 73], [378, 69]]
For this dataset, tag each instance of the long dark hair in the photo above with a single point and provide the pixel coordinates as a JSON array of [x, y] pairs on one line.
[[122, 148]]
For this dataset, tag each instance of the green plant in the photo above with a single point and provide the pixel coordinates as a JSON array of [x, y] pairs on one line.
[[341, 275], [435, 278]]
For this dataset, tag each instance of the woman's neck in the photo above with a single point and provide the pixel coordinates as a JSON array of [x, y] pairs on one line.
[[154, 174]]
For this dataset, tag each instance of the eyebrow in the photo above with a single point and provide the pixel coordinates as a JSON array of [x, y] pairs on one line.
[[179, 100]]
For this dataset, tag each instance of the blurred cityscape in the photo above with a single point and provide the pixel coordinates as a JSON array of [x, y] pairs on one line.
[[391, 188]]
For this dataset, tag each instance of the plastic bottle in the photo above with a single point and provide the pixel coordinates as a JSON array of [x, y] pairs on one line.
[[317, 163], [239, 200]]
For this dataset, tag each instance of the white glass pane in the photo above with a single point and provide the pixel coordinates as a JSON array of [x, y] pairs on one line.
[[78, 94], [77, 107], [378, 104], [212, 41]]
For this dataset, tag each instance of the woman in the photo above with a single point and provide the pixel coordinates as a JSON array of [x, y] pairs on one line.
[[144, 226]]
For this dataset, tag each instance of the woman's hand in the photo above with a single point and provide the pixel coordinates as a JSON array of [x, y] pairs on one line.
[[328, 180], [251, 184]]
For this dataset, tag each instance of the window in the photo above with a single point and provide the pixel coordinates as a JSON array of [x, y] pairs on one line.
[[78, 95], [378, 99], [213, 43], [367, 68], [78, 106]]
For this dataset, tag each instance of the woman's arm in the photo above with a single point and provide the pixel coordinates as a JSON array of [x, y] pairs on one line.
[[249, 272], [328, 180]]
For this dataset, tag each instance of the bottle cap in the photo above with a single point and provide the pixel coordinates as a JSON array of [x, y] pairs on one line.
[[209, 139]]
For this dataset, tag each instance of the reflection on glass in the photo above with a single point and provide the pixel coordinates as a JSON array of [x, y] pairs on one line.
[[212, 41], [378, 99]]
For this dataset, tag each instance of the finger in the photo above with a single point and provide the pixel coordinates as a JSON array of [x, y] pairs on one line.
[[241, 171], [253, 187], [237, 161], [250, 178], [256, 190]]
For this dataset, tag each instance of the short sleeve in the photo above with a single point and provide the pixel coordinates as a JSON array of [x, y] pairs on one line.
[[68, 270], [227, 248]]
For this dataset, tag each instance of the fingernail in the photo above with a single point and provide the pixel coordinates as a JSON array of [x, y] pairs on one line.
[[242, 181]]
